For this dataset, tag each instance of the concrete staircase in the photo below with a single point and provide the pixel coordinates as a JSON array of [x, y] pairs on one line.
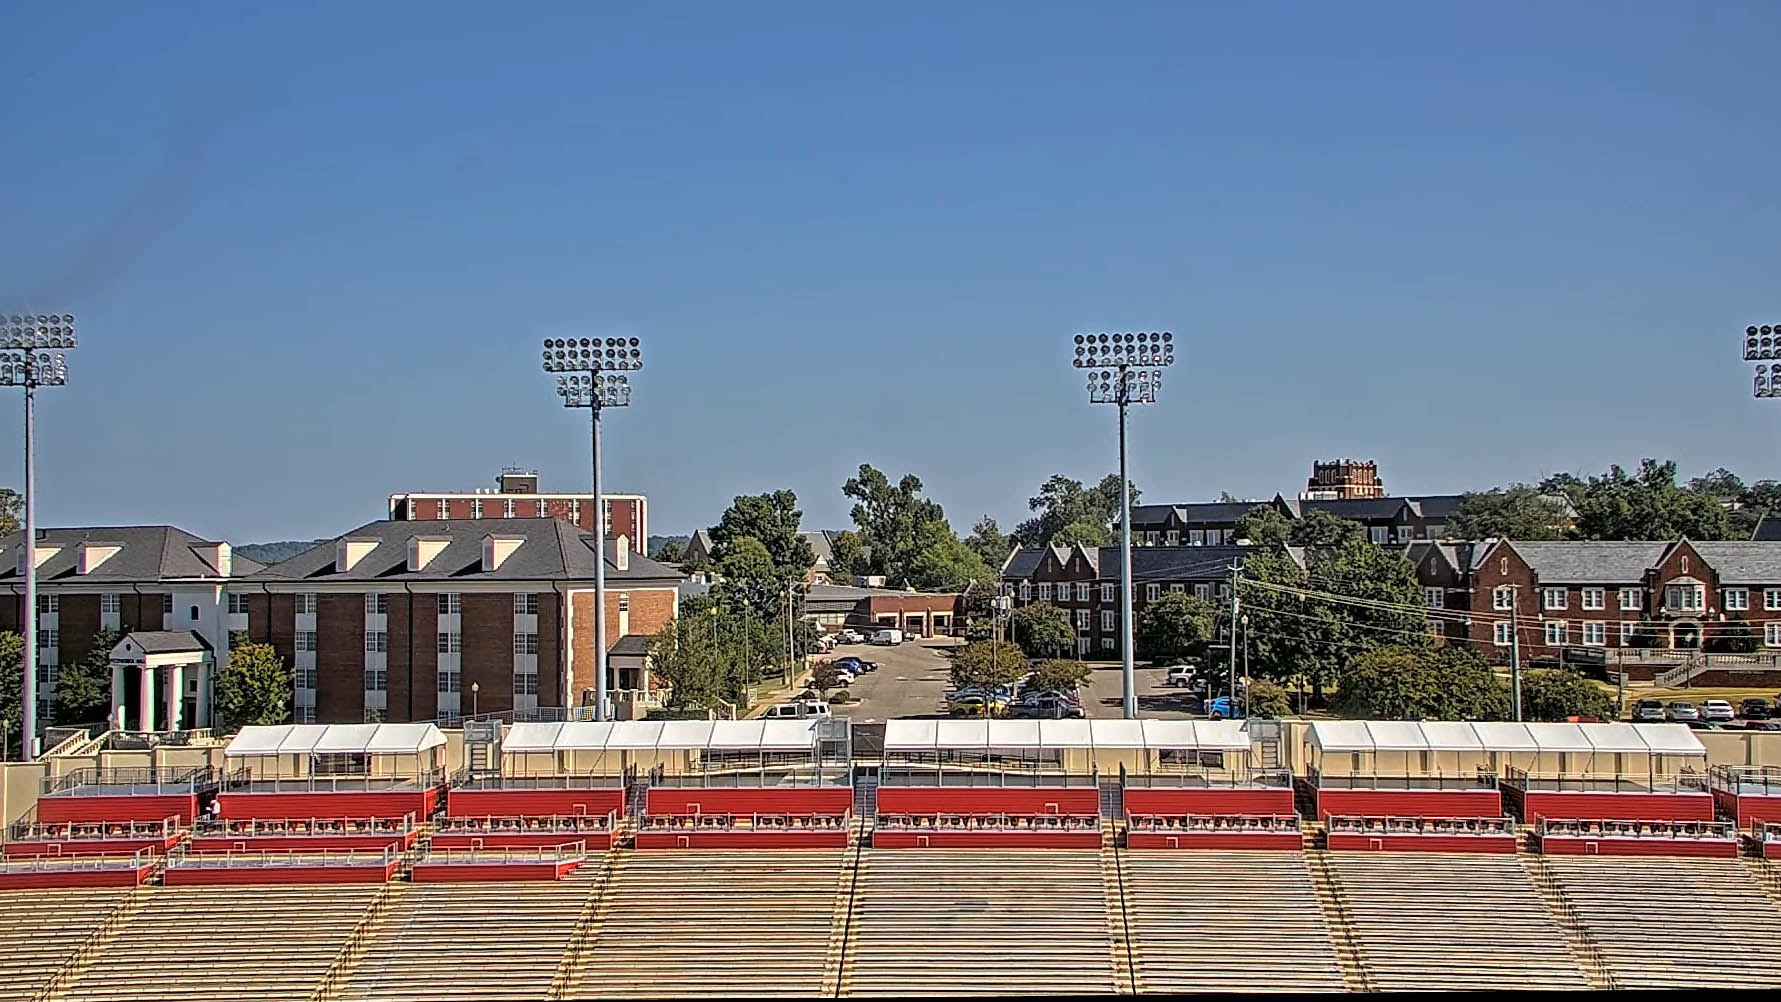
[[1583, 945], [1768, 876], [587, 927], [95, 944], [1119, 939], [1349, 956]]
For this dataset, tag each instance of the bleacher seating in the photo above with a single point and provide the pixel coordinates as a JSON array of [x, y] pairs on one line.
[[1675, 923], [512, 937], [215, 943], [983, 922], [1439, 921], [1226, 921], [42, 929], [725, 923]]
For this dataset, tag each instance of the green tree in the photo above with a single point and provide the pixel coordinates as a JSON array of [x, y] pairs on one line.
[[1175, 626], [824, 677], [986, 664], [847, 555], [1736, 635], [749, 579], [1554, 694], [1517, 511], [672, 551], [12, 655], [895, 522], [987, 541], [254, 687], [1090, 534], [685, 655], [83, 689], [1226, 497], [1063, 674], [772, 519], [1264, 525], [1446, 683], [12, 506], [1321, 529], [1268, 700], [1044, 629], [1647, 504], [948, 565], [1062, 501]]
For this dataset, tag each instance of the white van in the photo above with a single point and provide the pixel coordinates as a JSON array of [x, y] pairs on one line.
[[800, 710], [887, 638]]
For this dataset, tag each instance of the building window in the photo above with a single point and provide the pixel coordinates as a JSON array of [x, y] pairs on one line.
[[450, 681], [1552, 598], [450, 603], [1203, 592], [194, 613], [305, 642], [1044, 591], [1152, 592], [1106, 593], [451, 643], [1107, 644], [1082, 619], [1627, 629], [1771, 599], [1593, 598], [476, 508], [377, 642], [167, 604], [1008, 588], [1152, 538], [112, 605], [49, 640], [1106, 621], [306, 603], [1737, 599], [376, 679], [1082, 592], [377, 603], [1434, 598], [1502, 634], [624, 602], [1026, 591], [507, 508], [525, 603], [1684, 597], [525, 683], [1177, 588], [1196, 537], [1595, 634], [1503, 598], [305, 678], [52, 603], [1556, 632], [1172, 537], [1632, 599], [237, 604], [1771, 634], [525, 643], [1380, 534], [303, 714]]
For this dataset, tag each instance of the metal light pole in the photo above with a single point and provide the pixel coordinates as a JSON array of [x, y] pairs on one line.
[[591, 383], [1125, 369], [24, 362]]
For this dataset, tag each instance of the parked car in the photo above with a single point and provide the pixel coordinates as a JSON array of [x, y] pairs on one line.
[[1649, 711], [888, 638], [1764, 725], [1180, 675], [799, 709], [1754, 708], [971, 704], [858, 666], [822, 645], [1681, 711], [848, 637], [1222, 708], [1717, 710]]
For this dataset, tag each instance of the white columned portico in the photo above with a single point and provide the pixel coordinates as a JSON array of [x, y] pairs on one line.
[[174, 652], [176, 693], [145, 699], [117, 697]]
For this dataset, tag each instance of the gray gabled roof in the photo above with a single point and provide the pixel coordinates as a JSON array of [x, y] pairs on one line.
[[550, 550], [1589, 561], [1743, 562], [168, 641], [1768, 530], [146, 553], [1023, 562], [1358, 508], [631, 645], [1150, 563], [1432, 506]]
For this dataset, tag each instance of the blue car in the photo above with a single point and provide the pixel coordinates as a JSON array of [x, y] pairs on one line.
[[1222, 707]]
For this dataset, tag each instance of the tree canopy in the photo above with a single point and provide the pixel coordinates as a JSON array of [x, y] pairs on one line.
[[1091, 534], [83, 688], [12, 655], [948, 564], [987, 541], [1556, 693], [1442, 683], [1044, 629], [1517, 511], [1062, 501], [254, 687], [988, 664], [672, 551], [1176, 626], [773, 520], [847, 555], [895, 522], [1266, 525], [1062, 674], [12, 506], [1646, 504]]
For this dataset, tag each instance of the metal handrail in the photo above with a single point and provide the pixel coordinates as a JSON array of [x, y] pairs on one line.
[[224, 858], [528, 825], [1611, 828], [1740, 778], [988, 776], [1185, 779], [265, 827], [1481, 779], [138, 860], [1210, 823], [96, 831], [244, 781], [805, 777], [563, 853], [100, 781], [746, 822], [997, 822], [1689, 782], [1355, 824], [463, 780]]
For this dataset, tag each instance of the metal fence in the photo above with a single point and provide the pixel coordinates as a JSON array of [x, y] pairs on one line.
[[255, 858], [934, 823], [1717, 831], [141, 859], [463, 780], [529, 825], [1680, 783], [987, 776], [72, 831], [773, 777], [553, 855], [1439, 781], [1747, 780], [264, 827], [244, 781], [1199, 824], [1272, 779], [1394, 825], [131, 780]]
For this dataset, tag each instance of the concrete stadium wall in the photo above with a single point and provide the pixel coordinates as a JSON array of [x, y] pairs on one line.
[[988, 800], [532, 803], [747, 800]]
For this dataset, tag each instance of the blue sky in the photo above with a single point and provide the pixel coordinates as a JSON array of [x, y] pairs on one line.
[[313, 251]]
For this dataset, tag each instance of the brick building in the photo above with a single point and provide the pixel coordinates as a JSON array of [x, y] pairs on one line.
[[1084, 582], [515, 495], [1343, 480], [427, 620], [1600, 594], [1386, 520], [125, 578], [918, 614]]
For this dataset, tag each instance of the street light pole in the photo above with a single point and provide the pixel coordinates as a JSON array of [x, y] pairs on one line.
[[23, 362], [590, 364], [1125, 369]]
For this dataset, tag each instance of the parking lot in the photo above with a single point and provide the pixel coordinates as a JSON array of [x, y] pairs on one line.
[[912, 680]]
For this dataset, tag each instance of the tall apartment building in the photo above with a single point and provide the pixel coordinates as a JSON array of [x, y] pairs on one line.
[[1343, 480], [132, 578], [516, 495], [404, 621]]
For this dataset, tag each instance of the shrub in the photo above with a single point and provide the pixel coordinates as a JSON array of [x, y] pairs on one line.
[[841, 697], [1268, 700]]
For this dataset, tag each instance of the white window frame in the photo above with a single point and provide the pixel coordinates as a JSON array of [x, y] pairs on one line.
[[1771, 599], [1203, 592], [1595, 634], [167, 604], [1045, 591], [1502, 597], [624, 601], [1153, 592], [1107, 624], [1632, 599], [525, 683], [1380, 534], [1554, 598], [1177, 588], [525, 643], [111, 604], [525, 603], [1502, 634], [1692, 596], [476, 508], [1771, 634], [1627, 628], [451, 603], [1106, 593], [1434, 598], [377, 679], [377, 603], [1172, 537], [377, 641], [1737, 600], [1082, 589], [305, 603], [1082, 620], [49, 602], [451, 642], [1196, 537], [303, 642], [1594, 598], [1026, 591], [1151, 538], [450, 680], [1558, 628]]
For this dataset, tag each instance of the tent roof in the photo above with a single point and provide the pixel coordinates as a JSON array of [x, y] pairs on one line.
[[910, 735], [1670, 739], [635, 734], [1503, 736], [687, 733], [960, 735], [788, 735], [259, 739], [1341, 735], [1116, 733], [1449, 735], [1396, 735], [1229, 735], [335, 739]]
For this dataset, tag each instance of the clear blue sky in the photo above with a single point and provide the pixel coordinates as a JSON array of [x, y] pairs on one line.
[[313, 253]]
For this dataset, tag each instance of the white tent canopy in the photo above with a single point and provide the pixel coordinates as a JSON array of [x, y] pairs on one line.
[[334, 739], [656, 735], [1459, 736], [978, 735]]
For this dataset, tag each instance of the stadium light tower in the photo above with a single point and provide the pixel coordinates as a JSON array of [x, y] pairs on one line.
[[1762, 345], [24, 361], [591, 374], [1125, 369]]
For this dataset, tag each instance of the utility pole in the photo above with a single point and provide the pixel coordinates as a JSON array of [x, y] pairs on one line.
[[1620, 698], [1246, 705], [1236, 604], [1515, 649]]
